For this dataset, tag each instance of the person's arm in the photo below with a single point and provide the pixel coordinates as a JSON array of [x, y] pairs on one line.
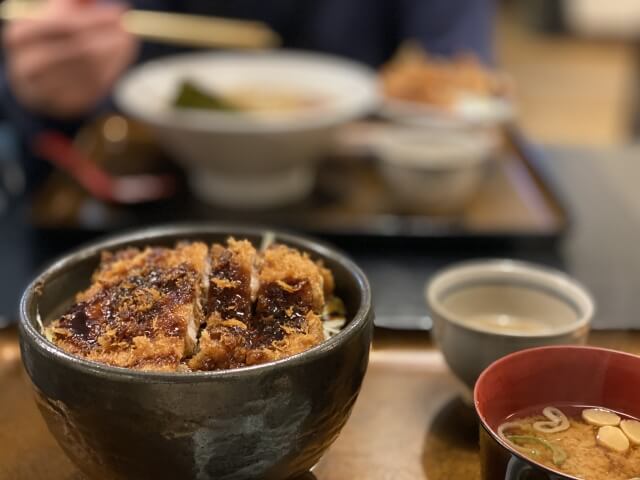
[[59, 67], [447, 27]]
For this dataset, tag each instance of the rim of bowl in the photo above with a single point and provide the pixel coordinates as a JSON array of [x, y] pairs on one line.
[[540, 274], [508, 358], [358, 321], [407, 112], [474, 146], [207, 121]]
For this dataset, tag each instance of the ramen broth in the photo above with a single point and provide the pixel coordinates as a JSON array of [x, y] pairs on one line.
[[253, 99], [271, 100], [589, 443]]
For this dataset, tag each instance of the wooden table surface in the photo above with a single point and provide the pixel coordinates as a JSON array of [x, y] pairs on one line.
[[408, 423]]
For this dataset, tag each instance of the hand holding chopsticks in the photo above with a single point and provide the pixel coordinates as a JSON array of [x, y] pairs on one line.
[[62, 58]]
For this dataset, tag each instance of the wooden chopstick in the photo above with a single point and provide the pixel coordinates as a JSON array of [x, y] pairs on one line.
[[199, 31], [174, 28]]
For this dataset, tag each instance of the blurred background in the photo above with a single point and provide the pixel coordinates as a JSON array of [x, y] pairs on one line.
[[433, 132], [575, 65]]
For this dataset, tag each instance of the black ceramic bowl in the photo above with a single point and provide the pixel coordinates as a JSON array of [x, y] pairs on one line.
[[271, 421]]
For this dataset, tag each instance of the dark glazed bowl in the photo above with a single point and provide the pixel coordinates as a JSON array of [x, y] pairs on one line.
[[271, 421], [548, 376]]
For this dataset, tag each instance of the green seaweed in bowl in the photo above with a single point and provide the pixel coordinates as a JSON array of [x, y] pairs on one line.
[[191, 96]]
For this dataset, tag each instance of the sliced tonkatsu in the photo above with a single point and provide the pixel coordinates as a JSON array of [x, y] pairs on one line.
[[291, 296], [143, 309], [233, 284], [233, 280], [197, 308], [266, 307]]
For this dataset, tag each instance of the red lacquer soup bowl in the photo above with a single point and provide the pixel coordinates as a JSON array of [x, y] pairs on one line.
[[537, 377]]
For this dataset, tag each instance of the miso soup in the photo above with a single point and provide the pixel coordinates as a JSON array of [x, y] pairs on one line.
[[590, 443]]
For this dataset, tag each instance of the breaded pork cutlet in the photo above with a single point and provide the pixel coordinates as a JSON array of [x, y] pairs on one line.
[[233, 284], [197, 308], [288, 291], [290, 301], [142, 311]]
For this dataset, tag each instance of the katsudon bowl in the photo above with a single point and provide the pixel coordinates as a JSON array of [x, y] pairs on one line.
[[269, 421]]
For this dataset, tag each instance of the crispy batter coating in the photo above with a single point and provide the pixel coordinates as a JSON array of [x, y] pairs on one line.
[[197, 308], [142, 310], [290, 301], [232, 344], [232, 280], [293, 272], [224, 342], [286, 319]]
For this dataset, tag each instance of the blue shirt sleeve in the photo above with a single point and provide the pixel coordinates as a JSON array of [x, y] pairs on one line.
[[25, 122], [25, 126], [447, 27]]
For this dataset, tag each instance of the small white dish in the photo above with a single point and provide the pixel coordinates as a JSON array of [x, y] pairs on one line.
[[484, 310], [434, 170]]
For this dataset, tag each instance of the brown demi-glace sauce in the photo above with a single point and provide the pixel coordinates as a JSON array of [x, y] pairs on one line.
[[197, 308]]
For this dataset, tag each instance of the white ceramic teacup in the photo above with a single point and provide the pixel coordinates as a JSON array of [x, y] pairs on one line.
[[484, 310], [437, 170]]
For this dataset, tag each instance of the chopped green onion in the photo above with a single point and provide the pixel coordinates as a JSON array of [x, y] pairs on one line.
[[559, 455]]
